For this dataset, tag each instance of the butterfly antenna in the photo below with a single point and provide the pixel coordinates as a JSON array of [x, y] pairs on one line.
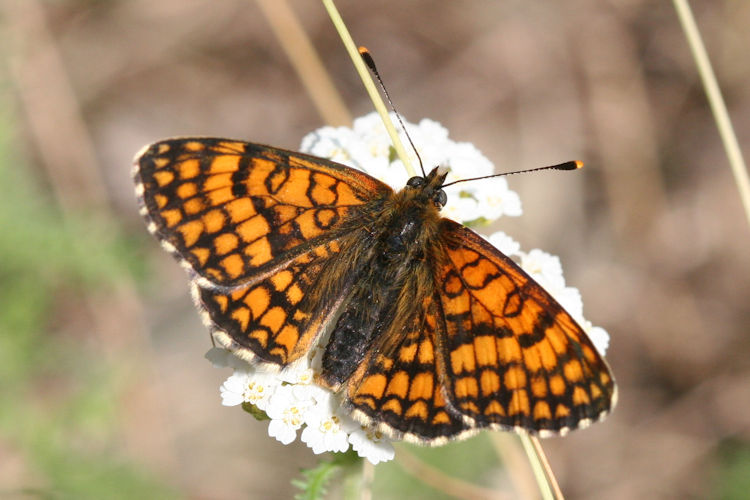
[[568, 165], [370, 62]]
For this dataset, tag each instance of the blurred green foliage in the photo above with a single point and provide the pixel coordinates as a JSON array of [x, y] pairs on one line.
[[58, 400], [733, 474], [469, 460], [313, 483]]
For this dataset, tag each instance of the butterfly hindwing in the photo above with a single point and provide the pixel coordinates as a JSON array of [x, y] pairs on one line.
[[230, 210], [399, 386], [278, 318], [514, 357]]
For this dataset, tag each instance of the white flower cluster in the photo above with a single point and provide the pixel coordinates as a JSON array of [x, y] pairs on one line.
[[290, 398]]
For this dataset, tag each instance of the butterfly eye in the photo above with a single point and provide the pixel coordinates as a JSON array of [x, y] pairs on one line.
[[440, 198], [415, 182]]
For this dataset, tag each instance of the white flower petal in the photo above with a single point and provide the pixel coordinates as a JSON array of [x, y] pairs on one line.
[[231, 398], [282, 431], [325, 435], [248, 387], [545, 268], [461, 209], [598, 335], [287, 408], [299, 374], [570, 298], [504, 243], [466, 161], [372, 446], [325, 429], [290, 403], [233, 389], [496, 200]]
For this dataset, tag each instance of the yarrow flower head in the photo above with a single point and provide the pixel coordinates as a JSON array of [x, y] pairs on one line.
[[290, 398]]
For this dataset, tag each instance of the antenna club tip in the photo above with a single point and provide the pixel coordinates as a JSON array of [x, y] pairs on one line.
[[569, 165], [367, 58]]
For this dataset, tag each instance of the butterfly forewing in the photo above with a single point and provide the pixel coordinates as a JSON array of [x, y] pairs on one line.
[[514, 357], [231, 210]]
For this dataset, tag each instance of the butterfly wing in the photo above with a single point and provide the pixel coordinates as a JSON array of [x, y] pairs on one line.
[[255, 226], [277, 318], [233, 211], [514, 358], [399, 389]]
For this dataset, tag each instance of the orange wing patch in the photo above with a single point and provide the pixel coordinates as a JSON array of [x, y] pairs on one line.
[[514, 358], [232, 210]]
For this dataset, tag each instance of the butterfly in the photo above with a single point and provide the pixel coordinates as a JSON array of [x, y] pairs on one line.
[[428, 332]]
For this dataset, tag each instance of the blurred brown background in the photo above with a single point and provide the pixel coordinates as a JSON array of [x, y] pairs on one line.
[[105, 393]]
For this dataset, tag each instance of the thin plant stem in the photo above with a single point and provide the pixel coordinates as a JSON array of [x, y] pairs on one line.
[[368, 476], [372, 89], [716, 101], [511, 454], [548, 486], [305, 61]]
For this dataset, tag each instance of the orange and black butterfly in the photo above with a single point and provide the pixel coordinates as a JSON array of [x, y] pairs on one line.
[[428, 332]]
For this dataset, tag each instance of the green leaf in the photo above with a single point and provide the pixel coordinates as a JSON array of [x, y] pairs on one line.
[[392, 154], [256, 412], [314, 481]]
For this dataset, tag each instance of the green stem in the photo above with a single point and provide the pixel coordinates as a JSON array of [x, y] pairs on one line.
[[545, 478], [369, 84]]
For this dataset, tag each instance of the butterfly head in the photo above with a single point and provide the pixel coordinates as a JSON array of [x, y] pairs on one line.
[[430, 188]]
